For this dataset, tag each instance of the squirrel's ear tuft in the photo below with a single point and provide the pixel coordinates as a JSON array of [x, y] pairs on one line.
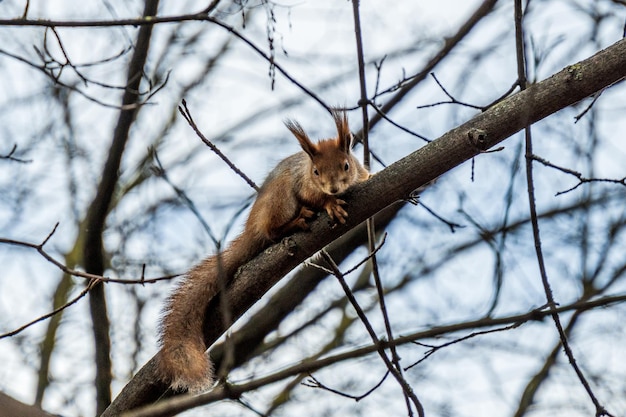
[[307, 145], [344, 136]]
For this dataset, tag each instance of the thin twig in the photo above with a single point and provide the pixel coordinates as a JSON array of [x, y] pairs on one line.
[[73, 301], [313, 382], [581, 180], [355, 267], [154, 20], [39, 248], [10, 156], [453, 226], [435, 348], [160, 171], [43, 68], [521, 70], [184, 111], [452, 99], [406, 388], [399, 126], [371, 228], [370, 255]]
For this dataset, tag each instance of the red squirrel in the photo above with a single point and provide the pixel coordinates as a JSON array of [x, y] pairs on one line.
[[299, 185]]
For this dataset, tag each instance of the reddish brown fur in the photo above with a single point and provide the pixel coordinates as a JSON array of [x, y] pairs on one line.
[[301, 183]]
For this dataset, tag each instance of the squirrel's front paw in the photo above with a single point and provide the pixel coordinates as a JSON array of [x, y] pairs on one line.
[[335, 211], [304, 215]]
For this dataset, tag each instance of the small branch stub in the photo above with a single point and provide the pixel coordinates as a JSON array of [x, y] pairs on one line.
[[478, 138]]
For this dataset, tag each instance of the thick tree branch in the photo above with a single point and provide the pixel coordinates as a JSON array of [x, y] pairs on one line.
[[397, 183]]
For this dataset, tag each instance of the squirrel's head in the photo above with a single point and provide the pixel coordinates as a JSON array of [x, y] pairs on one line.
[[333, 167]]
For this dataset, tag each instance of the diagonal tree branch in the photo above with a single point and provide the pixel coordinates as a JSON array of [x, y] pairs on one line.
[[396, 183]]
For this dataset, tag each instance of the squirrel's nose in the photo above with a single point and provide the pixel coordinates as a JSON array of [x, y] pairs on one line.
[[333, 190]]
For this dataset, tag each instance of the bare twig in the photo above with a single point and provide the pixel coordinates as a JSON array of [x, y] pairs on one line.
[[71, 302], [371, 228], [368, 257], [589, 106], [597, 95], [10, 156], [453, 226], [184, 111], [399, 126], [434, 348], [406, 388], [39, 247], [43, 68], [452, 99], [581, 179], [313, 382], [355, 267], [26, 6], [521, 71], [154, 20], [160, 171]]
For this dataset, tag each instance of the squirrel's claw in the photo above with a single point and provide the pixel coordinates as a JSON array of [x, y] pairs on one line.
[[335, 211]]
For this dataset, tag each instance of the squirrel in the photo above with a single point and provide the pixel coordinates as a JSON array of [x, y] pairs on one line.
[[299, 185]]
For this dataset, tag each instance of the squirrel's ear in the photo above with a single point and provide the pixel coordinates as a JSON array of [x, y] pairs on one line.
[[344, 136], [307, 145]]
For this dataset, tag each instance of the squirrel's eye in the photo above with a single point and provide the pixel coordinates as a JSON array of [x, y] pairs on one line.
[[316, 172], [346, 166]]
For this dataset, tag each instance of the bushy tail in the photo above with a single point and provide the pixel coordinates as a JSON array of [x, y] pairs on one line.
[[182, 361]]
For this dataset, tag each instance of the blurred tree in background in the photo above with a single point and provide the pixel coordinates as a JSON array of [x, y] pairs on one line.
[[103, 176]]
